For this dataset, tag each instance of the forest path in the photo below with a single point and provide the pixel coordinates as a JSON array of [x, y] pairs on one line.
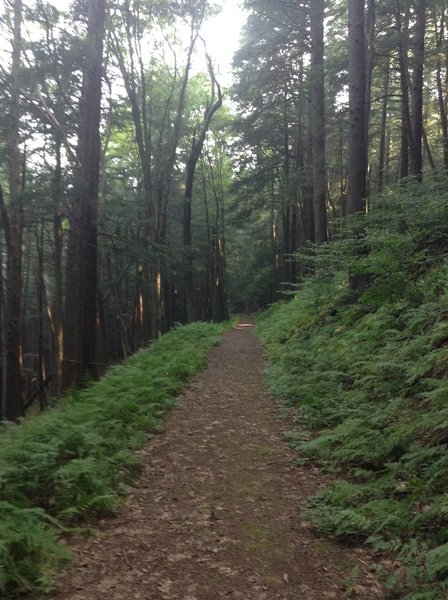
[[215, 512]]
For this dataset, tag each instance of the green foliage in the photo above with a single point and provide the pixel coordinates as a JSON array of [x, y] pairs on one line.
[[76, 460], [29, 548], [367, 369]]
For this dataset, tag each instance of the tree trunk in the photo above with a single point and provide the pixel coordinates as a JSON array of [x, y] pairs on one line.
[[13, 228], [80, 339], [318, 120], [383, 130], [357, 142], [370, 27], [441, 92], [407, 142], [286, 191], [190, 300], [41, 303], [417, 90], [58, 240], [219, 284], [308, 205]]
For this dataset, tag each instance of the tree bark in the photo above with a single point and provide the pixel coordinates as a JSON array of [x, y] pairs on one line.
[[41, 304], [370, 27], [383, 130], [58, 240], [318, 120], [80, 340], [417, 90], [286, 190], [441, 92], [215, 103], [13, 228], [357, 141], [407, 142]]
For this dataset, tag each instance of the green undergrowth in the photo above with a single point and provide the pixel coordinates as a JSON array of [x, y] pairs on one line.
[[74, 462], [367, 370]]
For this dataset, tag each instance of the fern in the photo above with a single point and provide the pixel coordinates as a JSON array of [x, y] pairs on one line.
[[77, 459], [368, 374], [29, 549], [437, 561]]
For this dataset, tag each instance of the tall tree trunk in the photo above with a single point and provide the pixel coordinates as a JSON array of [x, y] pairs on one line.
[[370, 29], [58, 240], [80, 339], [441, 92], [216, 296], [383, 129], [370, 26], [417, 90], [41, 303], [286, 190], [274, 247], [304, 225], [2, 332], [188, 291], [308, 205], [404, 144], [428, 151], [13, 228], [318, 120], [407, 141], [357, 141]]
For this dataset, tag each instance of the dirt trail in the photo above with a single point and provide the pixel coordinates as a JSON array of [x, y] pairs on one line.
[[215, 513]]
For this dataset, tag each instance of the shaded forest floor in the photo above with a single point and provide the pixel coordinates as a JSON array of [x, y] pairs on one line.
[[216, 510]]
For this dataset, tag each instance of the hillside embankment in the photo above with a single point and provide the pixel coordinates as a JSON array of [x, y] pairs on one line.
[[360, 354]]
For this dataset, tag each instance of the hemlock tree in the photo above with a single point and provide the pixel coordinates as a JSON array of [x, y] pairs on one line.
[[80, 336], [417, 89], [357, 138], [318, 119], [12, 217], [439, 25]]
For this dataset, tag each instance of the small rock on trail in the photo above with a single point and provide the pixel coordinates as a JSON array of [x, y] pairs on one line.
[[216, 511]]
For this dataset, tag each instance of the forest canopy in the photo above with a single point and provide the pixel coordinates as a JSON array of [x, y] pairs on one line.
[[140, 190], [143, 189]]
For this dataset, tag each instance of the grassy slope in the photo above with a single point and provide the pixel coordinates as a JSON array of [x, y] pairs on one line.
[[76, 460], [369, 373]]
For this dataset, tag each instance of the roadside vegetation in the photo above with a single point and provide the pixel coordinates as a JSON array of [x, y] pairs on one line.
[[75, 461], [365, 365]]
